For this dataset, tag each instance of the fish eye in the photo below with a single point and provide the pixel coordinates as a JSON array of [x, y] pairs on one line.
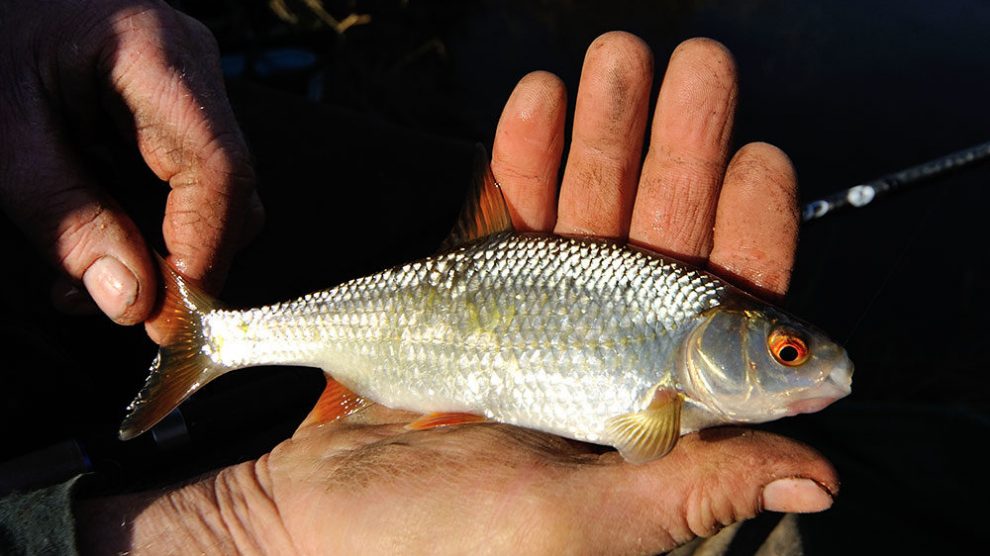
[[787, 347]]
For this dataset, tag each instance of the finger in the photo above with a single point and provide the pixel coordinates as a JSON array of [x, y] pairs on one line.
[[165, 68], [756, 227], [708, 481], [48, 193], [599, 184], [527, 149], [689, 141]]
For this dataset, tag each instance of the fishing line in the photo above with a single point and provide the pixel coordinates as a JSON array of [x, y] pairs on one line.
[[864, 194]]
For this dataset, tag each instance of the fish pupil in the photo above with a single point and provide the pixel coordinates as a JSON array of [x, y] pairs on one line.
[[788, 353]]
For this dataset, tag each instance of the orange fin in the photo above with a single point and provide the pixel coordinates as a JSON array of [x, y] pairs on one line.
[[434, 420], [335, 402], [485, 212], [181, 367]]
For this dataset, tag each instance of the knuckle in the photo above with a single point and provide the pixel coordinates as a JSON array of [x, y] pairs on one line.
[[228, 156], [159, 149], [707, 510], [193, 218], [506, 172], [679, 159], [691, 189], [196, 233], [601, 179], [71, 236]]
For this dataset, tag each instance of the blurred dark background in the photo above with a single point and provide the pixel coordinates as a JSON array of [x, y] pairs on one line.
[[362, 118]]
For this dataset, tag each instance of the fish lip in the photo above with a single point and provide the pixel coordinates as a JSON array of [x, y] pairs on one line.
[[842, 373]]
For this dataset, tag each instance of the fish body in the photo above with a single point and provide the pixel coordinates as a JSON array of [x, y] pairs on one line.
[[584, 338], [551, 333]]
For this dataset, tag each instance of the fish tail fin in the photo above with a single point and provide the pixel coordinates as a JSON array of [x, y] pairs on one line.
[[182, 366]]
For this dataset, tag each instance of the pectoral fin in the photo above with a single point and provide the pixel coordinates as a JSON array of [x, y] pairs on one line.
[[649, 434]]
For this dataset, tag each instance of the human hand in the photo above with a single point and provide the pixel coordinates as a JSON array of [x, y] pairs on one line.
[[366, 484], [69, 69]]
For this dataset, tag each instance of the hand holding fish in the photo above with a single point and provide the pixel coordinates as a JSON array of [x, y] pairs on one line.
[[77, 74], [367, 483]]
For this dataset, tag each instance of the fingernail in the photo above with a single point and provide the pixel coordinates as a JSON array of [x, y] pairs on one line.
[[112, 286], [795, 495]]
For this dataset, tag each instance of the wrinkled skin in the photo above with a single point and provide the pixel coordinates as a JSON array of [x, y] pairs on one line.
[[364, 484], [74, 73]]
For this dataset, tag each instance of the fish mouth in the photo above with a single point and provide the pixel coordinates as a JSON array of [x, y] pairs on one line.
[[837, 386]]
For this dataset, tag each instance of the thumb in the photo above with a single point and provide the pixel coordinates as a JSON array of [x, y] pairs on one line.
[[46, 191], [711, 480]]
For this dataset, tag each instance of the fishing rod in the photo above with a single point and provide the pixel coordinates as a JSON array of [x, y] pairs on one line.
[[864, 194]]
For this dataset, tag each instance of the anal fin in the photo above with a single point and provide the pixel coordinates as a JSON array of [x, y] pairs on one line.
[[650, 434], [434, 420], [336, 402]]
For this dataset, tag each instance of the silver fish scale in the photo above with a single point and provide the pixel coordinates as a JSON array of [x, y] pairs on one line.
[[552, 333]]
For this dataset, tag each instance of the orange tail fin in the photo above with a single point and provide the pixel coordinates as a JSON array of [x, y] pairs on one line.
[[181, 366]]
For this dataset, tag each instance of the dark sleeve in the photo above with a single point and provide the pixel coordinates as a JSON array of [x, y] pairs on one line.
[[40, 522]]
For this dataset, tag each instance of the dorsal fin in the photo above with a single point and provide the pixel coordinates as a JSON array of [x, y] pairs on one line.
[[485, 212]]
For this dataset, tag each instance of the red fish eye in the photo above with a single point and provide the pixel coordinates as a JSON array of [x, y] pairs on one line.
[[788, 348]]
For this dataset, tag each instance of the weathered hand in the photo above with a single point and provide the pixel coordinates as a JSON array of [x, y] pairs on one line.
[[364, 484], [68, 68], [741, 223]]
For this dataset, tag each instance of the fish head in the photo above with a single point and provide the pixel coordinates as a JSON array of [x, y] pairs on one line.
[[756, 364]]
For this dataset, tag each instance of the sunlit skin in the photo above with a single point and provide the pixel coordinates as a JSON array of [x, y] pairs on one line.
[[366, 484]]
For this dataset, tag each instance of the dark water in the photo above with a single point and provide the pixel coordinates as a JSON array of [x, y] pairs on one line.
[[850, 90]]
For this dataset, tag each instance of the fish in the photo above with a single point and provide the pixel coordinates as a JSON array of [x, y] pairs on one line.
[[594, 340]]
